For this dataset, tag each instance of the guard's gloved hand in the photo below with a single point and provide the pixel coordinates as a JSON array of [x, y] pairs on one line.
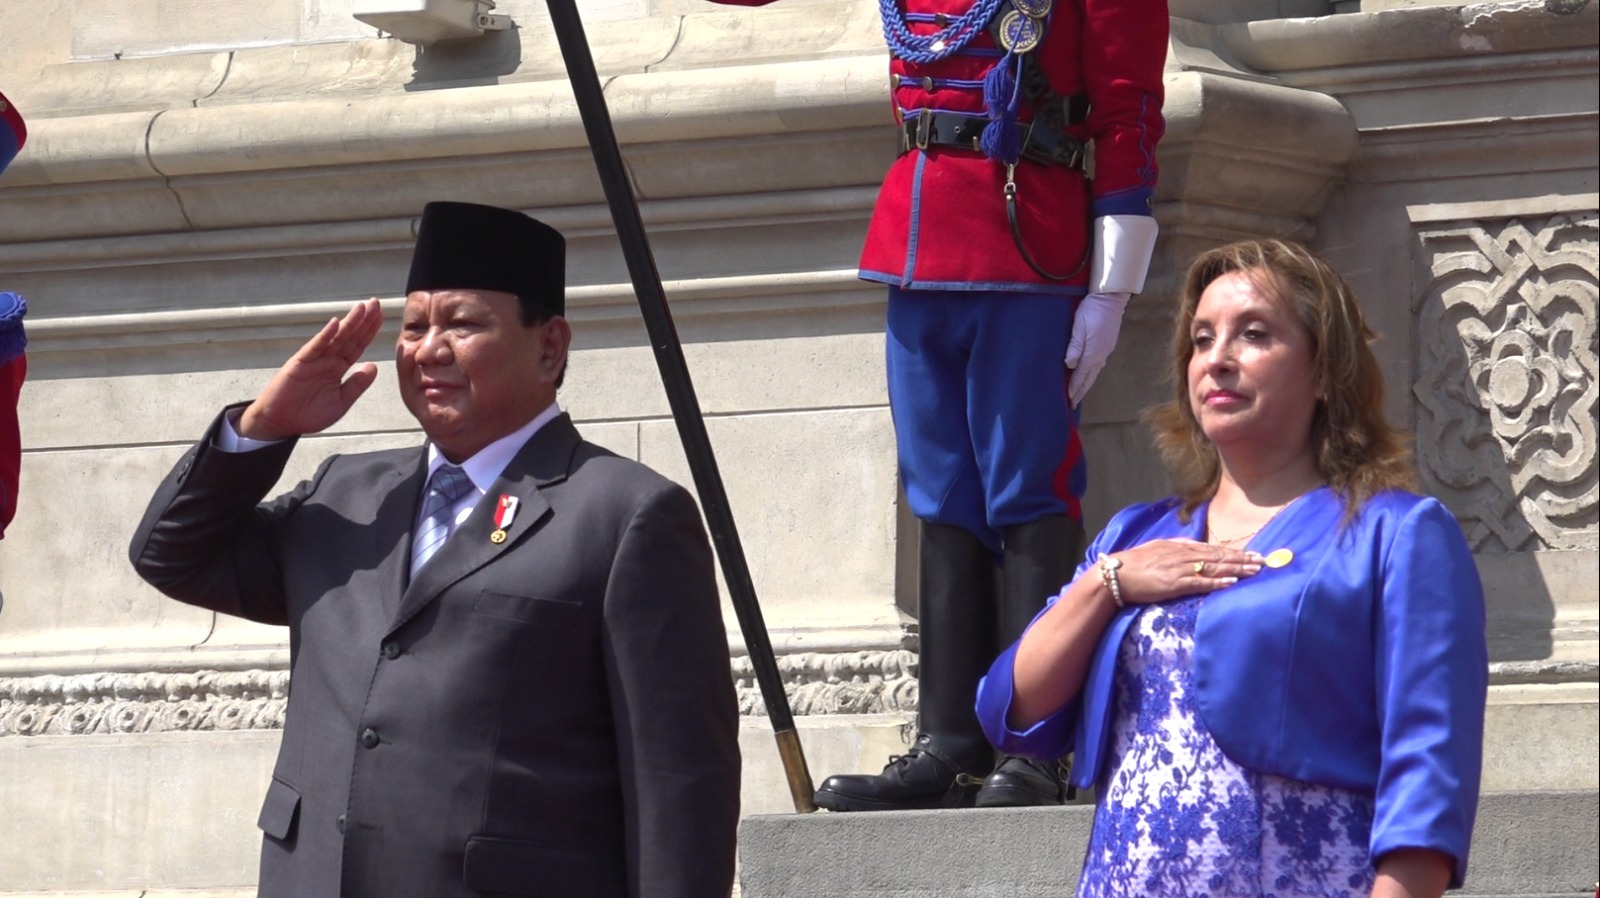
[[1119, 261], [1095, 327]]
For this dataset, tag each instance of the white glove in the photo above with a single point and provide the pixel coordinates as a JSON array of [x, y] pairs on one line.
[[1123, 246], [1095, 327]]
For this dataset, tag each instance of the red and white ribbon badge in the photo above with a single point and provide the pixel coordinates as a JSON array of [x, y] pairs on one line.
[[505, 512]]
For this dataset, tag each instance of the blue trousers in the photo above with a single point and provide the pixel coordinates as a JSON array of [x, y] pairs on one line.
[[978, 391]]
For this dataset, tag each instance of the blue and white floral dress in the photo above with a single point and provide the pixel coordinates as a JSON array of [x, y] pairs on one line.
[[1178, 819]]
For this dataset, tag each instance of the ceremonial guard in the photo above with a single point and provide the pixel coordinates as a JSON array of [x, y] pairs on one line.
[[13, 361], [1008, 268]]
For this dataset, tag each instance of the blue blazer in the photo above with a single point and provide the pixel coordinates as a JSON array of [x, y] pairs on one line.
[[1361, 664]]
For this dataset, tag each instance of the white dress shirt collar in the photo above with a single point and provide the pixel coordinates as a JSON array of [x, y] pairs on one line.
[[486, 466]]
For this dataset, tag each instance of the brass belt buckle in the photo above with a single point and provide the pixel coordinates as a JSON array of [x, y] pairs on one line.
[[924, 128]]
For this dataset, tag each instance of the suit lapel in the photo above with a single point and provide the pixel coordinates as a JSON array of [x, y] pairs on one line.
[[405, 480], [544, 460]]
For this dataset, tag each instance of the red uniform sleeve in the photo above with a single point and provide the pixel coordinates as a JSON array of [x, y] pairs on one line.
[[13, 132], [11, 376], [1124, 48]]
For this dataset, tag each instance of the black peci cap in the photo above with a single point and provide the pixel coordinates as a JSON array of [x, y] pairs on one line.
[[465, 246]]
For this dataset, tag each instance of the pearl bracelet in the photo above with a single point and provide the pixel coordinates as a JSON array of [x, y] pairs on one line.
[[1108, 576]]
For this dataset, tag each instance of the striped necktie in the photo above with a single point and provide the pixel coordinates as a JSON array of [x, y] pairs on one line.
[[445, 489]]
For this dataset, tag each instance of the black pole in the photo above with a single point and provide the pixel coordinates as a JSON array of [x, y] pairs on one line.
[[680, 391]]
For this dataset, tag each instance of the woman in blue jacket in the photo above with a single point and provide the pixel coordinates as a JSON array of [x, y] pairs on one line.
[[1275, 679]]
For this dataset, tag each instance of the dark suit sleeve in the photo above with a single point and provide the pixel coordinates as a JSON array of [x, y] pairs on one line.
[[666, 656], [205, 540]]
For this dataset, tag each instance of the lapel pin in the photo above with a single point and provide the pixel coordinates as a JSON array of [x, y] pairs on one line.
[[1279, 558], [505, 511]]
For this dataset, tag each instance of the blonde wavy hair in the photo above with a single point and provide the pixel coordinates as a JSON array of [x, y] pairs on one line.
[[1357, 451]]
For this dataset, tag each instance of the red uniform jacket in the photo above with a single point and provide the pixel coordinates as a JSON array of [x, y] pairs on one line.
[[940, 220], [11, 375], [13, 364]]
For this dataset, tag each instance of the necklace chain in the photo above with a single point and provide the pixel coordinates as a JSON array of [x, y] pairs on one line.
[[1214, 539], [1228, 543]]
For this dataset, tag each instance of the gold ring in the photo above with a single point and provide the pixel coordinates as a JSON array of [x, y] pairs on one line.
[[1199, 568]]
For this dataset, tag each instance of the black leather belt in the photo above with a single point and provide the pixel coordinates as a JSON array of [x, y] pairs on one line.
[[1040, 142]]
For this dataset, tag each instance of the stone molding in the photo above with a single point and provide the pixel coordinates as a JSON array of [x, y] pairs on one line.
[[577, 222], [1443, 87], [305, 132], [368, 162], [813, 291], [860, 682], [1242, 157], [817, 683], [866, 682], [1433, 34], [112, 57], [124, 703], [1524, 673], [178, 173], [1556, 144], [1506, 381]]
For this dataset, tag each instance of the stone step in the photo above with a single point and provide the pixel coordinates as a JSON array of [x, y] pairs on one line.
[[1527, 845]]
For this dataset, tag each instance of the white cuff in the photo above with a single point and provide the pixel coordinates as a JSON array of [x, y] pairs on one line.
[[230, 440], [1123, 245]]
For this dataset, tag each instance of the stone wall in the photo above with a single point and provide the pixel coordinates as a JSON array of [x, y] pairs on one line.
[[201, 190]]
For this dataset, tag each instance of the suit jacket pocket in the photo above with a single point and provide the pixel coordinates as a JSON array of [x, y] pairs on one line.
[[538, 609], [279, 811], [537, 870]]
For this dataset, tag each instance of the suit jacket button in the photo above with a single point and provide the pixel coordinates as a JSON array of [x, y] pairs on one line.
[[391, 649], [369, 738], [340, 823]]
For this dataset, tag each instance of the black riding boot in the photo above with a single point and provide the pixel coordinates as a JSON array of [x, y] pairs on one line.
[[956, 623], [1039, 559]]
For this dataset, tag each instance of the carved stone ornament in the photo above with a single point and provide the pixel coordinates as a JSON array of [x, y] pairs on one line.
[[121, 703], [866, 682], [110, 703], [1506, 379]]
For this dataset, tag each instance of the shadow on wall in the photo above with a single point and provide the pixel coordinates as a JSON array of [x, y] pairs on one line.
[[467, 62], [1505, 409]]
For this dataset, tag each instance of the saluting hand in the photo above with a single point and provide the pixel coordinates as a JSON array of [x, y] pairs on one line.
[[310, 392]]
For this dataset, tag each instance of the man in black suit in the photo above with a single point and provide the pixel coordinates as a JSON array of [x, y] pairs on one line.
[[509, 670]]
